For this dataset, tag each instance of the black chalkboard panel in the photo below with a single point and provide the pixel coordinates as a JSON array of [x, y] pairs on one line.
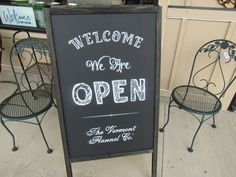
[[105, 66]]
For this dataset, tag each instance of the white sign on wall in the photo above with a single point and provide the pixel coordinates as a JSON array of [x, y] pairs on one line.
[[19, 16]]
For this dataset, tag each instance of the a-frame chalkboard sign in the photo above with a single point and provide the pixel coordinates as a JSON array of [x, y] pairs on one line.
[[106, 63]]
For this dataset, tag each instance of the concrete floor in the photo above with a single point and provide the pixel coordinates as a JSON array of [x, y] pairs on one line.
[[214, 152]]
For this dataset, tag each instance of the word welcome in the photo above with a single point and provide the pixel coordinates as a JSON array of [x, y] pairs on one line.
[[115, 64], [96, 37], [14, 17], [82, 92]]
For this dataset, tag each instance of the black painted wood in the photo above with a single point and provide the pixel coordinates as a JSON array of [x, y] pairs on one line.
[[104, 109], [58, 94]]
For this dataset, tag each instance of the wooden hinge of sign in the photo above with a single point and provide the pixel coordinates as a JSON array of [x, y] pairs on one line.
[[228, 3]]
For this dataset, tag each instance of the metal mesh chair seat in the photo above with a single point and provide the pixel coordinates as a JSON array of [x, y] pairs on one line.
[[213, 64], [26, 104], [33, 97], [196, 100]]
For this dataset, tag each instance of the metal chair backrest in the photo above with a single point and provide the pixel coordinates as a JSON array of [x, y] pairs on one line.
[[18, 35], [214, 67], [24, 58]]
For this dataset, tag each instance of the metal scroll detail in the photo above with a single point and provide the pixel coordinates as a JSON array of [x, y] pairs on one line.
[[221, 52], [30, 53], [228, 3]]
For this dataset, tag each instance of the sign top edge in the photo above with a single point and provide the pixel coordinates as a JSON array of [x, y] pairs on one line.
[[103, 9]]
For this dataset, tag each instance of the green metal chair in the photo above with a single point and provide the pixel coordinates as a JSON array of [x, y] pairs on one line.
[[44, 65], [32, 100], [201, 97]]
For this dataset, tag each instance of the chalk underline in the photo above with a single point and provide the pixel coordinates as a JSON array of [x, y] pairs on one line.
[[110, 115]]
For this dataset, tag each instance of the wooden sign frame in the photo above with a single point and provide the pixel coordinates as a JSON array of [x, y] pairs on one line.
[[105, 10]]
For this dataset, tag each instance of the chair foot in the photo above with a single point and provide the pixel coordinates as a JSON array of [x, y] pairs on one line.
[[49, 151], [213, 126], [161, 130], [14, 149], [190, 149]]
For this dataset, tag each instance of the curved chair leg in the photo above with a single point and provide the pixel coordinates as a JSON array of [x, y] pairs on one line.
[[214, 123], [13, 138], [190, 149], [168, 116], [49, 149]]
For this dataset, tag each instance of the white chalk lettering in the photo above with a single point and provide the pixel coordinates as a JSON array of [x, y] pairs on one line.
[[88, 38], [137, 89], [98, 87], [100, 140], [117, 90], [126, 137], [97, 37], [113, 129], [82, 93], [96, 65], [116, 64], [110, 134], [138, 41], [127, 38], [94, 131], [77, 42], [88, 94], [116, 36], [105, 35], [95, 33]]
